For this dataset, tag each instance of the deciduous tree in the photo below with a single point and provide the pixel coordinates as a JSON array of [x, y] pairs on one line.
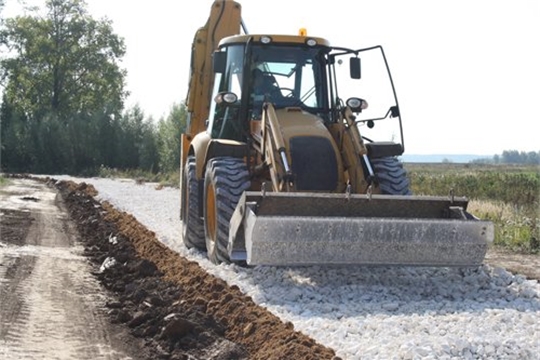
[[65, 62], [62, 76], [169, 131]]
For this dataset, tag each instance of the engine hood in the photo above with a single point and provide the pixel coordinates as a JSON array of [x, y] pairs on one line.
[[296, 122]]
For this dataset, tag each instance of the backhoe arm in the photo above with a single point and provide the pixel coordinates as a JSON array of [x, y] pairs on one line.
[[224, 20]]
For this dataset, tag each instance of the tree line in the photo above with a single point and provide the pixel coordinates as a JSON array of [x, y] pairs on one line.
[[62, 106], [513, 157]]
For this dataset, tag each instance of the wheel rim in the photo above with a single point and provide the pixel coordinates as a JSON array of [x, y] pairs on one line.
[[211, 222]]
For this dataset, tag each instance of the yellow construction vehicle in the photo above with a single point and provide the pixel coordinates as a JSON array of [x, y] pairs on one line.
[[281, 166]]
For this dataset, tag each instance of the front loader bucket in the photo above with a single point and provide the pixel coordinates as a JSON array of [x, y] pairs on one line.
[[315, 229]]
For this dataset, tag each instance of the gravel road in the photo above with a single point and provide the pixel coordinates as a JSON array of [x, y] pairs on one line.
[[368, 312]]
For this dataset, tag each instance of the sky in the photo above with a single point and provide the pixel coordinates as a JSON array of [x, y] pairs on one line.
[[467, 72]]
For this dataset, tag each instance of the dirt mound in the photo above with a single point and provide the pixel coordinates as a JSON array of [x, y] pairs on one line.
[[177, 309]]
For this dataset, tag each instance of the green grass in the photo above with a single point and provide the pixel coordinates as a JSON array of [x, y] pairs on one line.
[[505, 194]]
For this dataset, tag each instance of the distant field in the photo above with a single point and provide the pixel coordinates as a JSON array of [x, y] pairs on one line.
[[508, 195]]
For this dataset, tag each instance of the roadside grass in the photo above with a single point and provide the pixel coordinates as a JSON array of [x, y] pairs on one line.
[[3, 180], [505, 194]]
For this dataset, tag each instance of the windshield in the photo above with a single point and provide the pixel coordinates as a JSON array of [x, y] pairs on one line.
[[289, 76], [375, 86]]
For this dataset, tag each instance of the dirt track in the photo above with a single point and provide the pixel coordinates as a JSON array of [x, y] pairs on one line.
[[166, 306], [51, 306]]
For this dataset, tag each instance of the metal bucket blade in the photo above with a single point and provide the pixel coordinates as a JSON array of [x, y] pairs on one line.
[[307, 229]]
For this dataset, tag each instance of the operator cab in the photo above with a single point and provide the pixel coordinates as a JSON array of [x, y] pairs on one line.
[[288, 73], [301, 73]]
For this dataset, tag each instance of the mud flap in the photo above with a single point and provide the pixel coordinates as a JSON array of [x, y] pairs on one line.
[[315, 229]]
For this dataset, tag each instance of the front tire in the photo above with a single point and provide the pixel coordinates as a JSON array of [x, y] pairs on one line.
[[391, 176], [192, 223], [225, 180]]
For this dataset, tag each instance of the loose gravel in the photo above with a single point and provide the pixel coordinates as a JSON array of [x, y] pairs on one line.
[[367, 312]]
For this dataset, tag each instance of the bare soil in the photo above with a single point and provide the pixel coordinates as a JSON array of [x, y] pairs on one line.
[[527, 265]]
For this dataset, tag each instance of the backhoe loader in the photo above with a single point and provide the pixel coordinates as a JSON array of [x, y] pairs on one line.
[[281, 166]]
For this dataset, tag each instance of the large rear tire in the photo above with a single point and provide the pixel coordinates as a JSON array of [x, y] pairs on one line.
[[391, 176], [225, 180], [192, 223]]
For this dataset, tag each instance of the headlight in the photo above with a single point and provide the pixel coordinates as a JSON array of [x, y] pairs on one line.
[[311, 42], [226, 98], [266, 39], [357, 104]]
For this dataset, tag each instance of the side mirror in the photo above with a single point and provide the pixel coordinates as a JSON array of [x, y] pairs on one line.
[[219, 61], [354, 64]]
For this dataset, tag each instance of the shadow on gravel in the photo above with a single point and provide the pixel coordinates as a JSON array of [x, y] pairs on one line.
[[173, 306]]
